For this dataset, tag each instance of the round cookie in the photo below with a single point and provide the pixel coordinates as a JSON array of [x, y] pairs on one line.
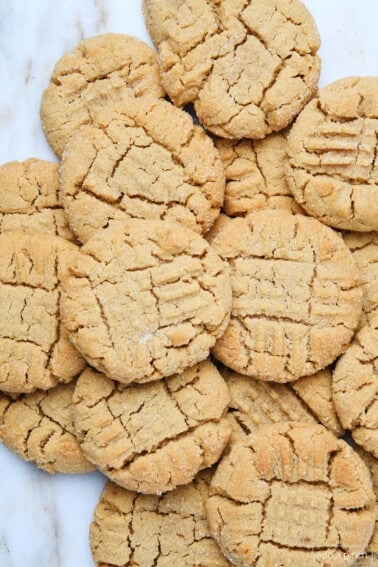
[[39, 427], [355, 389], [146, 299], [331, 168], [255, 175], [255, 403], [245, 79], [153, 437], [144, 159], [291, 494], [296, 299], [99, 70], [29, 198], [35, 352], [163, 531], [364, 248]]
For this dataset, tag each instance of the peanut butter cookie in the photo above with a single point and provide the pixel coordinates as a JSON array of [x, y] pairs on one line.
[[372, 464], [145, 159], [249, 67], [99, 70], [255, 403], [255, 175], [35, 352], [153, 437], [316, 392], [292, 494], [332, 170], [29, 198], [146, 299], [39, 427], [155, 531], [364, 248], [296, 298], [355, 389]]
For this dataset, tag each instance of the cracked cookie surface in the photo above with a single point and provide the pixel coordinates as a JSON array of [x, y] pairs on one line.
[[332, 168], [372, 464], [35, 352], [153, 437], [249, 66], [39, 427], [355, 389], [316, 392], [154, 531], [255, 403], [255, 175], [296, 471], [296, 298], [146, 299], [144, 159], [364, 248], [29, 198], [100, 69]]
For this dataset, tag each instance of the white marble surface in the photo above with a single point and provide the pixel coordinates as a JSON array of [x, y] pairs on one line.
[[44, 520]]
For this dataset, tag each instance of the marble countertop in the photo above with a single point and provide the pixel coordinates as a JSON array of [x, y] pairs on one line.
[[44, 519]]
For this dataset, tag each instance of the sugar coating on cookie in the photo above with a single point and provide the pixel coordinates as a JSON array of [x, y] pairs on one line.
[[364, 248], [249, 67], [146, 299], [153, 437], [355, 389], [144, 159], [291, 494], [163, 531], [255, 403], [99, 70], [39, 427], [255, 175], [29, 198], [35, 352], [372, 464], [296, 298], [332, 168]]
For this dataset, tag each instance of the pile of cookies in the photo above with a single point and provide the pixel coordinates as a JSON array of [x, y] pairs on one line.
[[193, 308]]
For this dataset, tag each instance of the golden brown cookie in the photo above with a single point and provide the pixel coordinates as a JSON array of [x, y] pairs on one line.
[[364, 248], [296, 299], [35, 352], [99, 70], [29, 198], [355, 389], [39, 427], [255, 175], [163, 531], [255, 403], [316, 392], [146, 299], [332, 170], [291, 494], [249, 67], [153, 437], [141, 159], [372, 464]]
